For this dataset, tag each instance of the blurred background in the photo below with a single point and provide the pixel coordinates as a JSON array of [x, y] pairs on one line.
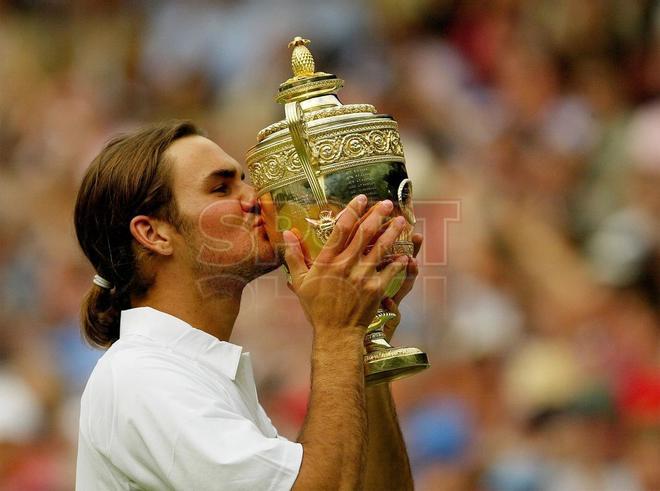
[[532, 133]]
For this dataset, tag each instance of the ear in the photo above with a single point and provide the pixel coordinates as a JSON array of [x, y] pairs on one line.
[[152, 233]]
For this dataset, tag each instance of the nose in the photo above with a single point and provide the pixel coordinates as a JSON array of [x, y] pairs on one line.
[[249, 203]]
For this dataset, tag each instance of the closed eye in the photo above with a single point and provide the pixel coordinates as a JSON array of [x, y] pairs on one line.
[[223, 189]]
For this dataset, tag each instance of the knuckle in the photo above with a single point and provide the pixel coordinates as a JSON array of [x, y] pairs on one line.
[[369, 289], [353, 209], [360, 281], [380, 248], [333, 246], [342, 227], [369, 228], [372, 287], [355, 277], [386, 240], [341, 268], [344, 270], [393, 230]]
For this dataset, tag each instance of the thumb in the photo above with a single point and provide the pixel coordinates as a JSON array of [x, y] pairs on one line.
[[293, 255]]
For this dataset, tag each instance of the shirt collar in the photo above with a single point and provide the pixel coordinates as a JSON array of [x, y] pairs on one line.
[[179, 336]]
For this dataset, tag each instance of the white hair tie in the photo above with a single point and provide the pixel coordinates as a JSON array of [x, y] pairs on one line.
[[102, 282]]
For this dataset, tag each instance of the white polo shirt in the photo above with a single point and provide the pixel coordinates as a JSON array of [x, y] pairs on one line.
[[171, 407]]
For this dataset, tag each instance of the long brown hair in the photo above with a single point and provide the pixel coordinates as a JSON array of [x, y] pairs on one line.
[[129, 177]]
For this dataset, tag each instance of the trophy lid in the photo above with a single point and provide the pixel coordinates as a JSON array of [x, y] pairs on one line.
[[306, 82]]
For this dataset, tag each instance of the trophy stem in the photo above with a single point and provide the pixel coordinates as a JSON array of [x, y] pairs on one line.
[[382, 362]]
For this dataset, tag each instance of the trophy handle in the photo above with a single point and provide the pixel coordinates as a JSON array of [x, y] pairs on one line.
[[296, 123]]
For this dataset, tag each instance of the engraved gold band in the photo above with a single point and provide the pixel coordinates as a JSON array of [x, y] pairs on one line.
[[332, 148]]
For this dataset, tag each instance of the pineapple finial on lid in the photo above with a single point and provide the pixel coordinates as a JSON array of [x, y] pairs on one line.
[[306, 81], [302, 61]]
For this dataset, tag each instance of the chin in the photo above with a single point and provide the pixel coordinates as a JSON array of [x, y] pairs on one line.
[[218, 271], [230, 279], [266, 259], [263, 270], [265, 250]]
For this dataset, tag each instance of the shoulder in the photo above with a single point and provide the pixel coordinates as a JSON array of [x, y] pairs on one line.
[[135, 387], [130, 376], [175, 423], [136, 372]]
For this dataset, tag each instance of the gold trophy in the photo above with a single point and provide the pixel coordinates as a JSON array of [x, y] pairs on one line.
[[307, 167]]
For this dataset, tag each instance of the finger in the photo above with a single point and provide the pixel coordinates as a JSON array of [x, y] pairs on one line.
[[383, 245], [356, 226], [411, 275], [417, 240], [343, 227], [390, 271], [386, 223], [368, 229], [293, 255], [303, 247]]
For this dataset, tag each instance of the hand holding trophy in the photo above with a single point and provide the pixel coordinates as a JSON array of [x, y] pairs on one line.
[[307, 168]]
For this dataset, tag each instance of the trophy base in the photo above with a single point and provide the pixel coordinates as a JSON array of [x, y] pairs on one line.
[[385, 365]]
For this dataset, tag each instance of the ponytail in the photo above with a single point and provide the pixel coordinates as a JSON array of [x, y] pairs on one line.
[[100, 315]]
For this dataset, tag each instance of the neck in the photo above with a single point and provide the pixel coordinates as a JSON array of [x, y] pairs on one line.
[[214, 313]]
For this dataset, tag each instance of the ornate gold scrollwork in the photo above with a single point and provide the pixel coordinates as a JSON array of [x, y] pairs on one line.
[[332, 150]]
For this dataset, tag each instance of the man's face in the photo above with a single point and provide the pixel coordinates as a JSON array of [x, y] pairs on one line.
[[222, 234]]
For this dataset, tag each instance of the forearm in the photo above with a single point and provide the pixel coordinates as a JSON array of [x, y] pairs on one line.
[[334, 433], [387, 464]]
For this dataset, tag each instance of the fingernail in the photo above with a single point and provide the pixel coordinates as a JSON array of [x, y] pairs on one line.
[[387, 204], [400, 221], [362, 199]]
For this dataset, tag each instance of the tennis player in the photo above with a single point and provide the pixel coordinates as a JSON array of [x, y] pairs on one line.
[[174, 234]]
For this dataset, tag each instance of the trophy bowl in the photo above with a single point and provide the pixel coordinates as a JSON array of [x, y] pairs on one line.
[[307, 168]]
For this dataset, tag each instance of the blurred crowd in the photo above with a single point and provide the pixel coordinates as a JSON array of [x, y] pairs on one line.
[[532, 134]]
